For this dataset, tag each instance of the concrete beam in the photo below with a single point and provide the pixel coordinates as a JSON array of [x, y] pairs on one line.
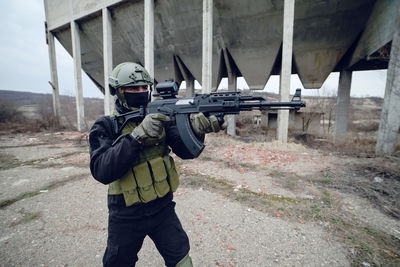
[[286, 71], [76, 53], [206, 80], [62, 11], [107, 57], [54, 76], [378, 31], [342, 105], [390, 118]]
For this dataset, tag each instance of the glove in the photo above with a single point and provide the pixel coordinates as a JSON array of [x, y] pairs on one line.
[[202, 125], [152, 127]]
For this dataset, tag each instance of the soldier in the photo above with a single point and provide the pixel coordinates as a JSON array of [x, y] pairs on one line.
[[140, 174]]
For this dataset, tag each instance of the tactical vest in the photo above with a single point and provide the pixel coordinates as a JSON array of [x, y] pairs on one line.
[[153, 174]]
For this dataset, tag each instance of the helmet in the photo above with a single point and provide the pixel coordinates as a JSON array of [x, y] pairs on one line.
[[128, 74]]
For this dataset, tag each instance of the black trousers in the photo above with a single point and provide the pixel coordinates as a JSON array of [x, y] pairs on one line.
[[126, 235]]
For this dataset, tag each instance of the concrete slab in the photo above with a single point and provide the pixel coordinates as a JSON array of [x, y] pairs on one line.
[[40, 152], [17, 181]]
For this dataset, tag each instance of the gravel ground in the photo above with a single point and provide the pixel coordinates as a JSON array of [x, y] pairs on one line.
[[70, 229], [254, 180], [66, 224]]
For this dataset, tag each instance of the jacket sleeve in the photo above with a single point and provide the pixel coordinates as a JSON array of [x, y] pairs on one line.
[[108, 161], [176, 143]]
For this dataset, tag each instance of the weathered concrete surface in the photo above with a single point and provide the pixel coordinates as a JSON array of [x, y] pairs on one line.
[[286, 70], [378, 30], [323, 32], [342, 104], [27, 179], [390, 116]]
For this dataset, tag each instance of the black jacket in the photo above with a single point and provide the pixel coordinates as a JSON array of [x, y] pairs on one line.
[[109, 162]]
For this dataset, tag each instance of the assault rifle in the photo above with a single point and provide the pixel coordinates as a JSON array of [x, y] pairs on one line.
[[217, 104]]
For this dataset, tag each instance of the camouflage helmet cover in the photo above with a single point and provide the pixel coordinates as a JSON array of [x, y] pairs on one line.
[[128, 74]]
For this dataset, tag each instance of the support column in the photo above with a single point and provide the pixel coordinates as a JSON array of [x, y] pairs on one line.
[[286, 71], [342, 105], [232, 86], [107, 59], [54, 76], [76, 53], [149, 37], [390, 115], [189, 88], [207, 46]]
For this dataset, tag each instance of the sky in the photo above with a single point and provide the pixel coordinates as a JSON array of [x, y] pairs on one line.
[[24, 60]]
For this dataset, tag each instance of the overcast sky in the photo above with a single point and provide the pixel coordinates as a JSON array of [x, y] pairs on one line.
[[24, 61]]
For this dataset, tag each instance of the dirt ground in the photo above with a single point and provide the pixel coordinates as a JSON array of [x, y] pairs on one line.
[[242, 203]]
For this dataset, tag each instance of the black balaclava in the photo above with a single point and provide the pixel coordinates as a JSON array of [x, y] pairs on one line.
[[137, 99]]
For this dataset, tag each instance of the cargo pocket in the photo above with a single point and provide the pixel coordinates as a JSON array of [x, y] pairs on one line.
[[144, 182], [160, 176], [173, 177], [129, 188]]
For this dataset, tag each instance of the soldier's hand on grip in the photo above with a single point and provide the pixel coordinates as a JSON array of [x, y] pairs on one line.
[[202, 125], [151, 127]]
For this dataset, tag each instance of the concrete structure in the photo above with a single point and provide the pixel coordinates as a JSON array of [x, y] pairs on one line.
[[190, 38], [107, 58], [53, 74], [342, 105], [207, 46], [390, 116], [286, 69], [76, 52]]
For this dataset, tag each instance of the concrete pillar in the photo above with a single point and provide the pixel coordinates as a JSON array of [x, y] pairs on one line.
[[76, 53], [342, 105], [107, 59], [54, 76], [149, 37], [286, 71], [207, 46], [390, 116], [232, 86], [189, 87]]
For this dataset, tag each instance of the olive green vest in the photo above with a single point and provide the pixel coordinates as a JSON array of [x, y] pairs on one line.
[[153, 174]]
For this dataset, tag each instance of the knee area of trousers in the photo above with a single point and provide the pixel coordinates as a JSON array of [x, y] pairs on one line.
[[185, 262]]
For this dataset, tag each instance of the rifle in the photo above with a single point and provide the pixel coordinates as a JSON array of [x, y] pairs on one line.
[[217, 104]]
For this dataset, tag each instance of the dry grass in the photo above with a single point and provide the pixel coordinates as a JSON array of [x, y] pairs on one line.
[[366, 244]]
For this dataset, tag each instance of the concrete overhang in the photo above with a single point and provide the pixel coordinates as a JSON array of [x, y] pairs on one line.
[[328, 36]]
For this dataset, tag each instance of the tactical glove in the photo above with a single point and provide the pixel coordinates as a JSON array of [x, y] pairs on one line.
[[202, 125], [152, 127]]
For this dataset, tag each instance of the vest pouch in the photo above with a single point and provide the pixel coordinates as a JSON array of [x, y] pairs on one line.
[[173, 177], [160, 176], [129, 188], [144, 182]]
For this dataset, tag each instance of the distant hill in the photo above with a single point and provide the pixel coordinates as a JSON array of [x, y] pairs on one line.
[[28, 98], [41, 105]]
